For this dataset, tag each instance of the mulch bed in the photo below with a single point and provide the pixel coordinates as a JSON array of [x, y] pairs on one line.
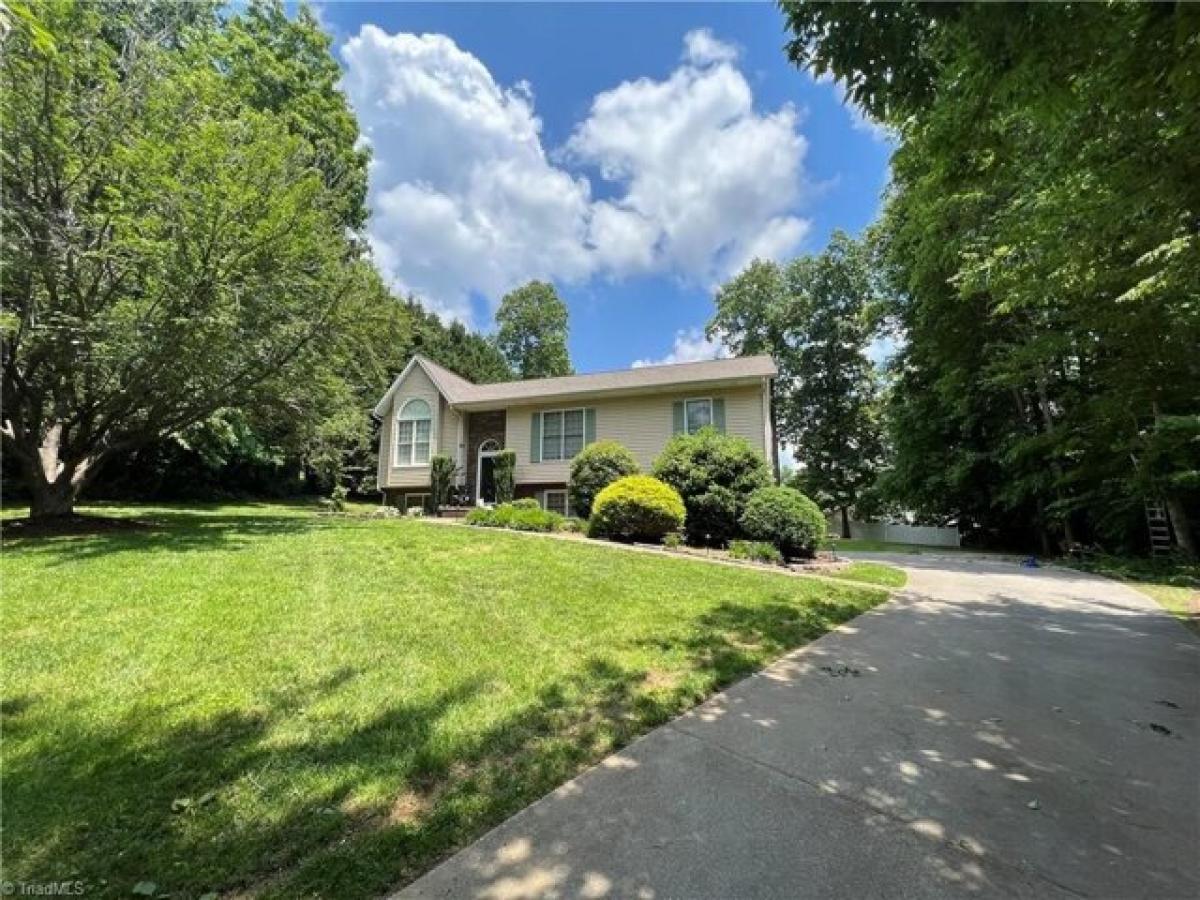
[[822, 562]]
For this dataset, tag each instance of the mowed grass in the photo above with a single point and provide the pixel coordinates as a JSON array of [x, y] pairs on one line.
[[261, 701], [871, 573], [1181, 602], [1174, 582]]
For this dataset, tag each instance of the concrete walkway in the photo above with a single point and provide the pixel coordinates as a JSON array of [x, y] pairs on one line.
[[993, 731]]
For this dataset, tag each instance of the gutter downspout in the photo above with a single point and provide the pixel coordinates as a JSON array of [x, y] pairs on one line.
[[769, 418]]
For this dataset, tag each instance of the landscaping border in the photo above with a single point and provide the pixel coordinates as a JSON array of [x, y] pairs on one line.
[[666, 551]]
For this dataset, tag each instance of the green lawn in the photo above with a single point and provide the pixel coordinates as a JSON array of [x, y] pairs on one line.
[[1176, 600], [871, 573], [258, 700], [1172, 582]]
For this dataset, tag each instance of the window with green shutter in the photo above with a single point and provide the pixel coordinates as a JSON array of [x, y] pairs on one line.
[[589, 426], [559, 434]]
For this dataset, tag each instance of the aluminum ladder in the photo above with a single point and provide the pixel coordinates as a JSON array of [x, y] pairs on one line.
[[1159, 524]]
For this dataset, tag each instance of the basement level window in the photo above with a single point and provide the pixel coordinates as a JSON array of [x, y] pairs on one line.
[[555, 501]]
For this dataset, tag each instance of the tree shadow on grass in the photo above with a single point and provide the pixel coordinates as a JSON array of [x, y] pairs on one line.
[[275, 815], [218, 802], [734, 640], [165, 532]]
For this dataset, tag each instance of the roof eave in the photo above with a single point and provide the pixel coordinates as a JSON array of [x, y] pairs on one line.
[[604, 393]]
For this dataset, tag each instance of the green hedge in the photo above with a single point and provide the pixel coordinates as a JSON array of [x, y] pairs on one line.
[[758, 551], [523, 515], [636, 507], [786, 518]]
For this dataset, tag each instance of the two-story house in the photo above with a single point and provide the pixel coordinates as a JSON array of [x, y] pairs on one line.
[[546, 421]]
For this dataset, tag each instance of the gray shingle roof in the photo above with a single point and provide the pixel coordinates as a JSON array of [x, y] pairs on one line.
[[459, 391]]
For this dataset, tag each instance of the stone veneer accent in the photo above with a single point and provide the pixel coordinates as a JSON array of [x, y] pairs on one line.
[[481, 426]]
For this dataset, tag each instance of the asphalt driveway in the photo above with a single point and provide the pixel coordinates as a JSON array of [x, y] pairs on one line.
[[993, 731]]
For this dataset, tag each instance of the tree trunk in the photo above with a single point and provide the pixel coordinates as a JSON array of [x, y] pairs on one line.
[[1043, 532], [51, 499], [55, 483], [1068, 530], [1048, 420], [845, 523], [1181, 526]]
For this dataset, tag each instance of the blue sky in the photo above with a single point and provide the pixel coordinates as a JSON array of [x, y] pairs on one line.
[[635, 154]]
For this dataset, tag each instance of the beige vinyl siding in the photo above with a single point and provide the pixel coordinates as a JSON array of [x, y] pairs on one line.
[[643, 424], [416, 386], [448, 438]]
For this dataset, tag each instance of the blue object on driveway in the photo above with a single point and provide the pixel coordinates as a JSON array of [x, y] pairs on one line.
[[1030, 562]]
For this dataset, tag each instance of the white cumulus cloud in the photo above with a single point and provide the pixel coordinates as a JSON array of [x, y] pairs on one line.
[[701, 47], [466, 201], [708, 182], [463, 198], [690, 346]]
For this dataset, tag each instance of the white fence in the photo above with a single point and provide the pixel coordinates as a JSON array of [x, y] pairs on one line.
[[931, 535]]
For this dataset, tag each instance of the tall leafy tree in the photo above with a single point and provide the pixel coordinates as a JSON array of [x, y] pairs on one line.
[[465, 352], [1043, 230], [284, 66], [171, 249], [532, 332], [814, 316]]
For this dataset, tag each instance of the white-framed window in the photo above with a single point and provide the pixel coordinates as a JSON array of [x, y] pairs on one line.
[[697, 414], [413, 431], [556, 501], [415, 501], [562, 434]]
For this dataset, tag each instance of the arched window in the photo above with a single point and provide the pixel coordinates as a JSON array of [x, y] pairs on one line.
[[412, 434]]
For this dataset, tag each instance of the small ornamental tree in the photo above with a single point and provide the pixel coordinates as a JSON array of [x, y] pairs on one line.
[[715, 474], [441, 481], [637, 507], [786, 518], [503, 474], [594, 468]]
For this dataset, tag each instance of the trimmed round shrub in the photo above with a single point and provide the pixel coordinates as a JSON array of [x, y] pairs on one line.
[[786, 518], [594, 468], [636, 507], [715, 475]]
